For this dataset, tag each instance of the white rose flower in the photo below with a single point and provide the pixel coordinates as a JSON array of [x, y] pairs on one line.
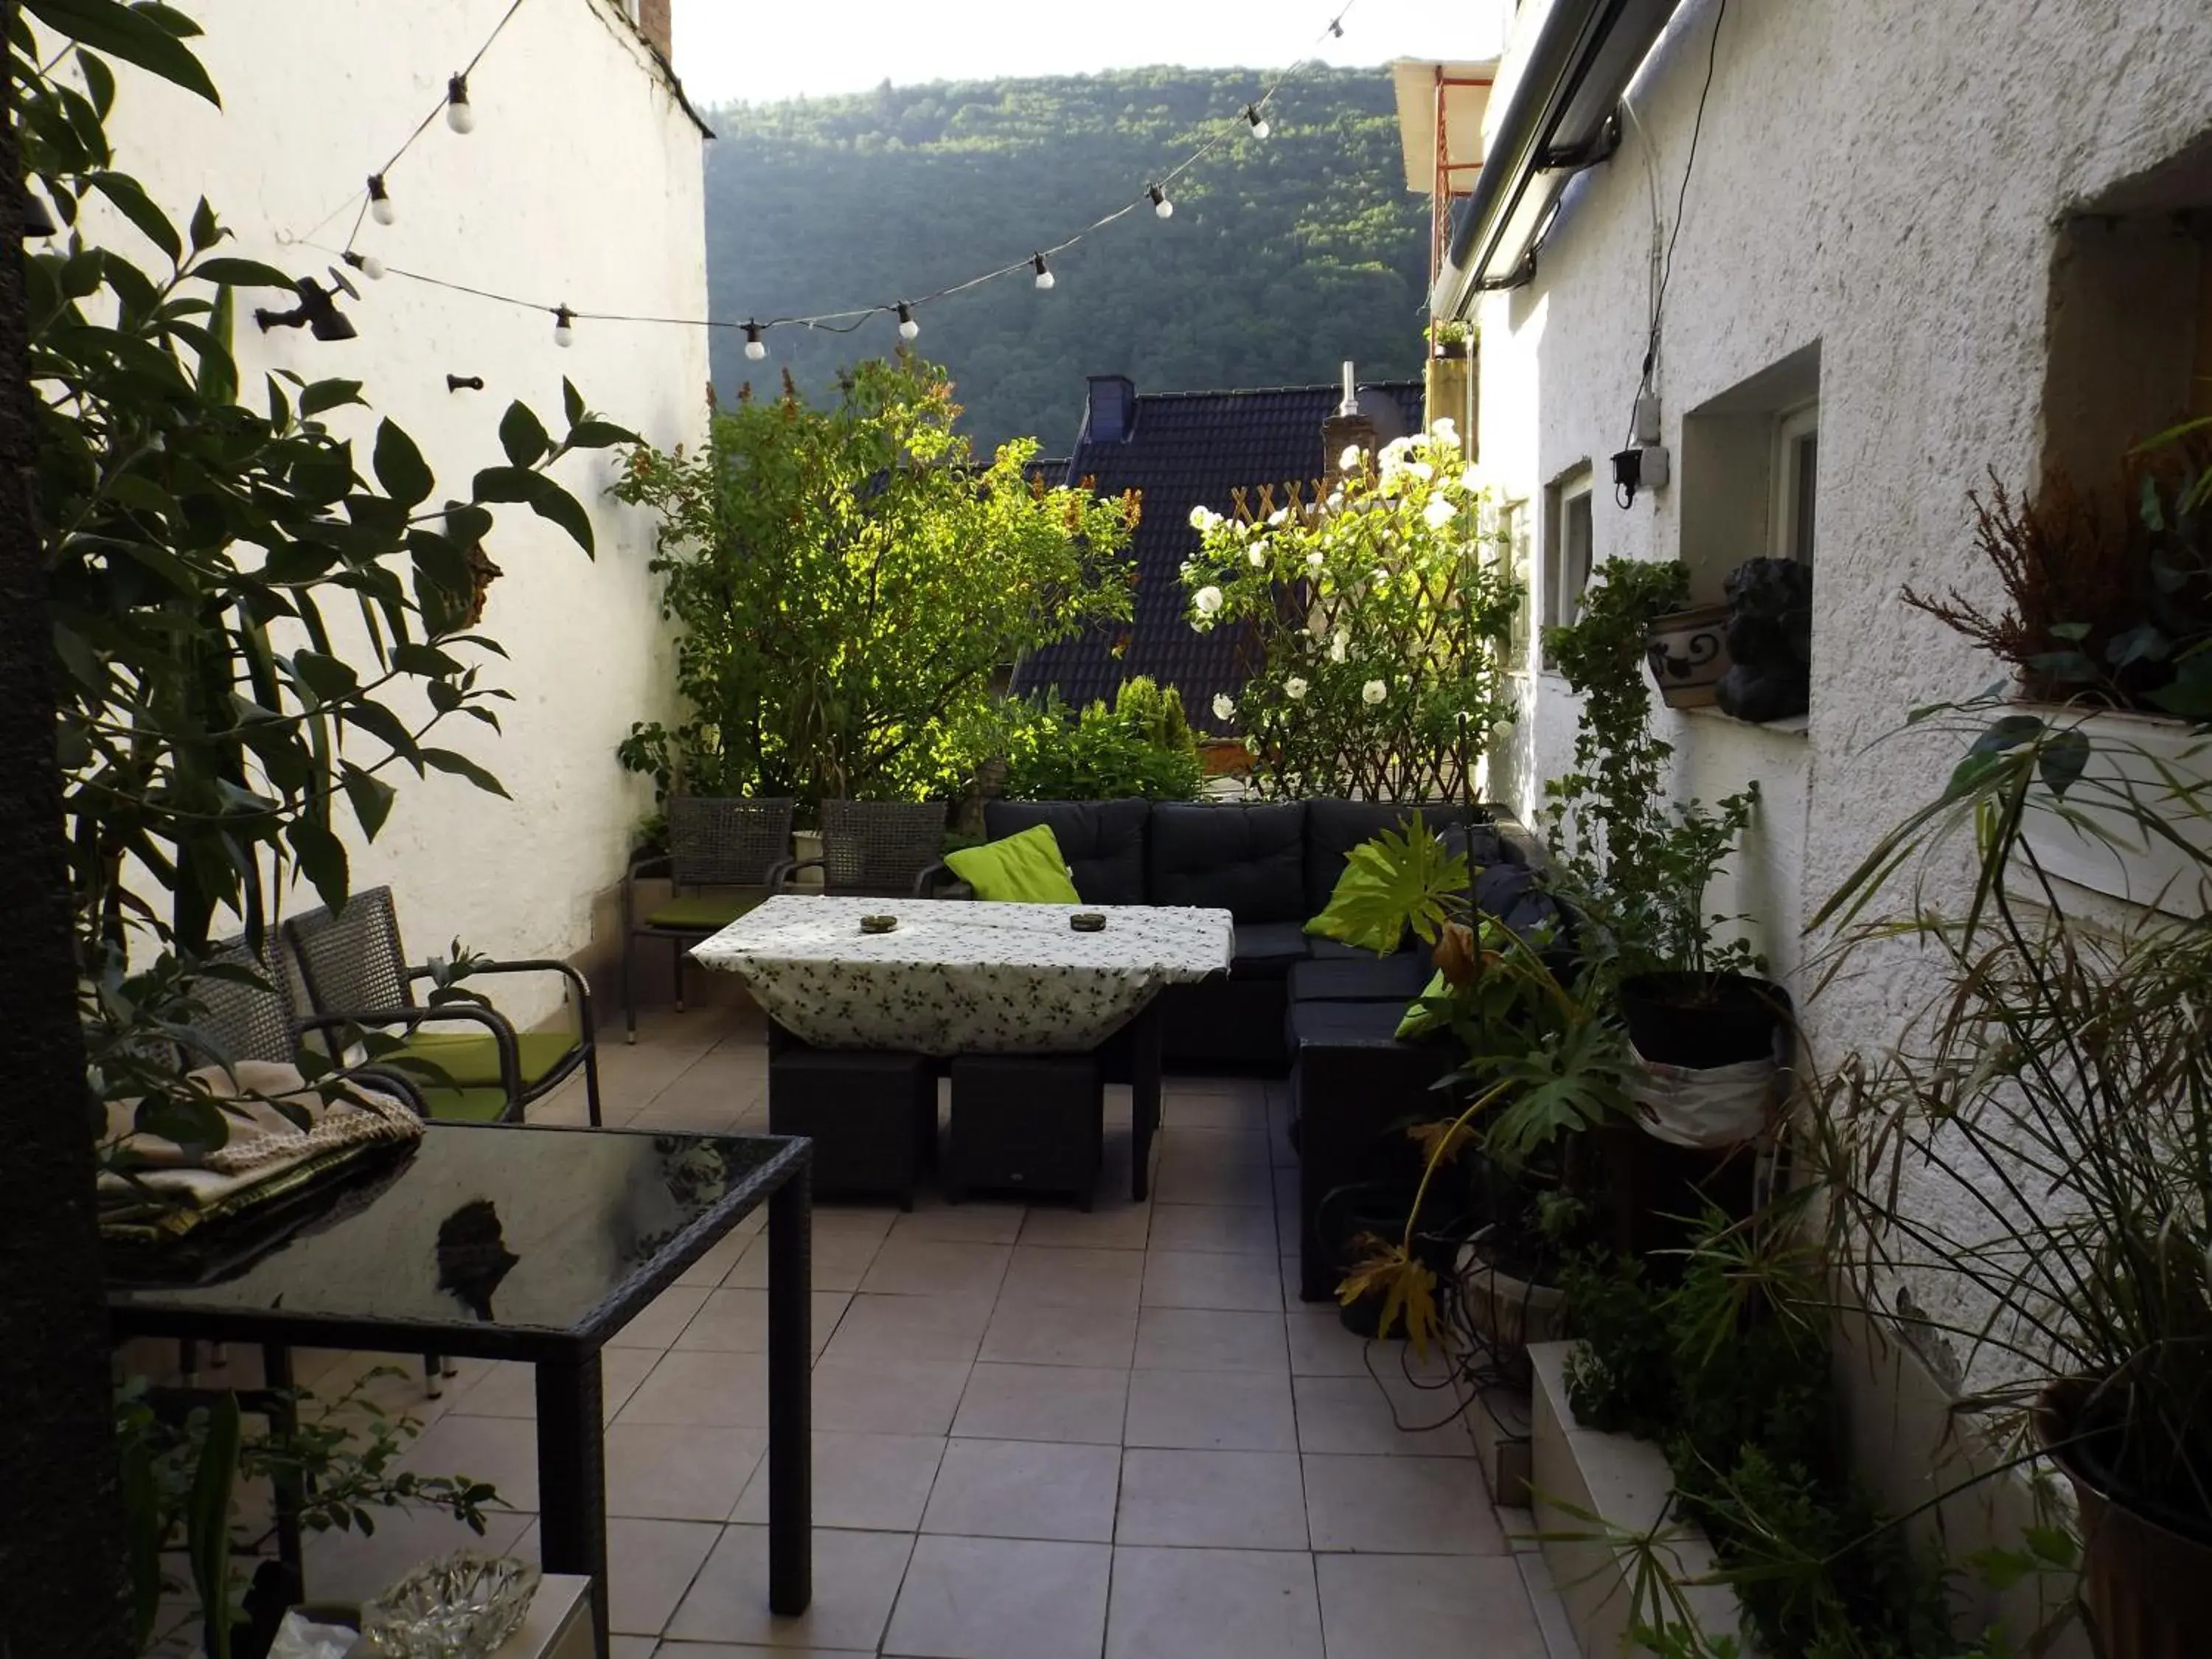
[[1294, 689], [1207, 599], [1443, 430], [1439, 512], [1340, 644], [1469, 479], [1315, 559], [1257, 553], [1335, 500], [1501, 732], [1350, 458], [1278, 515], [1373, 692], [1379, 575], [1422, 470], [1203, 520], [1394, 451], [1225, 706]]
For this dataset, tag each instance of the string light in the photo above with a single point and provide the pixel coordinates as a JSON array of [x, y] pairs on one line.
[[1161, 206], [1044, 276], [564, 326], [1260, 127], [458, 115], [756, 348], [367, 263], [908, 329], [379, 201]]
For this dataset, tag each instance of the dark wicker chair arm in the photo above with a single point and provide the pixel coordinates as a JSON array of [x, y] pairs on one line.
[[510, 1058], [545, 965], [387, 1081], [939, 882], [649, 863], [782, 872]]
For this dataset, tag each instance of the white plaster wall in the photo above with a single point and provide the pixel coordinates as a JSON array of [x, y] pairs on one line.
[[582, 185]]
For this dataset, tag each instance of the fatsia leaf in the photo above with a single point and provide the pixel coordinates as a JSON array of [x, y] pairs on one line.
[[522, 435], [321, 857], [460, 766], [130, 200], [400, 467], [241, 273], [599, 434], [329, 394], [550, 500], [371, 798], [1401, 880], [144, 37], [572, 401]]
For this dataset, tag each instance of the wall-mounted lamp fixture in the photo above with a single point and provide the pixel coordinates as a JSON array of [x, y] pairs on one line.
[[317, 310], [473, 382]]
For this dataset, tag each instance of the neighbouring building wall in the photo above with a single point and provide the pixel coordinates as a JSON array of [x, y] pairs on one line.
[[581, 184], [1881, 208]]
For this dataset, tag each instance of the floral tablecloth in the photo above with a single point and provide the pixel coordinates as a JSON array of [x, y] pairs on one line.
[[958, 977]]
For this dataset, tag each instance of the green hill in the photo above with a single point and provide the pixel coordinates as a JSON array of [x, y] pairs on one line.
[[1284, 256]]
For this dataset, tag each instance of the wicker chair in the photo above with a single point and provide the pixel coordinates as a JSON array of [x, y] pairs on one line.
[[876, 847], [356, 970], [713, 846]]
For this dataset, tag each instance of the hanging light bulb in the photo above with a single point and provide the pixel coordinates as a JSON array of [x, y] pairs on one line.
[[379, 200], [1044, 277], [1161, 205], [564, 326], [459, 114], [1260, 127], [756, 348], [368, 265], [908, 327]]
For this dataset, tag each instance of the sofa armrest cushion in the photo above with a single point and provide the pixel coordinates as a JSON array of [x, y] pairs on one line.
[[1102, 841]]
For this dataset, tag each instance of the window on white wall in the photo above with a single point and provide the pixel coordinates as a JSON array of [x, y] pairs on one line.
[[1797, 476], [1750, 478], [1513, 547], [1568, 530]]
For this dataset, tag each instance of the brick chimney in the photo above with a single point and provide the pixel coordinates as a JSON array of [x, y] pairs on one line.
[[654, 21], [1345, 428], [1110, 413]]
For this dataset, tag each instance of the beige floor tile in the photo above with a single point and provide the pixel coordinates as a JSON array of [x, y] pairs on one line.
[[1044, 1402], [1002, 1598], [1215, 1411], [927, 1268], [1026, 1489], [1110, 1226], [1069, 1277], [721, 1255], [1321, 1346], [650, 1565], [1241, 1229], [730, 1651], [350, 1566], [1200, 1178], [1423, 1606], [1212, 1500], [1210, 1340], [851, 1219], [661, 1473], [1242, 1113], [736, 1321], [662, 1320], [1059, 1336], [703, 1390], [1194, 1279], [838, 1259], [1222, 1604], [910, 1327], [1353, 1415], [960, 1223], [500, 1449], [856, 1579], [1401, 1505], [636, 1647], [887, 1396], [867, 1482], [509, 1388]]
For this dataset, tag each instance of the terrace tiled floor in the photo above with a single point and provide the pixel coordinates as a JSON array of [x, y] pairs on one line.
[[1039, 1434]]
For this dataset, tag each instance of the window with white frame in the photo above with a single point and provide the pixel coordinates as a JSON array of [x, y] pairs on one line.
[[1568, 532], [1513, 551], [1796, 472]]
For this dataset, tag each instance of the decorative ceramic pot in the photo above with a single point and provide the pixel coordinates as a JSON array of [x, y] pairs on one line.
[[1510, 1313], [2148, 1589], [2100, 842], [1688, 653]]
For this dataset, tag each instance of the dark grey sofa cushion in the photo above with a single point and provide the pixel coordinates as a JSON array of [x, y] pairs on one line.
[[1268, 950], [1334, 828], [1102, 841], [1245, 859], [1396, 979], [1513, 893]]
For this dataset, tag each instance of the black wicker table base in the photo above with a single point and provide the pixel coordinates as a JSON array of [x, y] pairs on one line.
[[1027, 1123], [871, 1115]]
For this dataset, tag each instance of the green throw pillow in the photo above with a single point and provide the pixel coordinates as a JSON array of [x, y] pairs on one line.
[[1365, 885], [1026, 869], [1421, 1020]]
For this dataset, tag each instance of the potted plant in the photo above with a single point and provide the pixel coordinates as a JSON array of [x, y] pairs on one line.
[[2021, 1177], [1450, 337]]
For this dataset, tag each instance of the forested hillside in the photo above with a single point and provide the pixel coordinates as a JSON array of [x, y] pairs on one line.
[[1284, 256]]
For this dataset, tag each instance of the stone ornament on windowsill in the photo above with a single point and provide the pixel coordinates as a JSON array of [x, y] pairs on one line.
[[1769, 636]]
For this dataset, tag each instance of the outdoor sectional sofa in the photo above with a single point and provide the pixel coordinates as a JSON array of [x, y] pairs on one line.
[[1325, 1013]]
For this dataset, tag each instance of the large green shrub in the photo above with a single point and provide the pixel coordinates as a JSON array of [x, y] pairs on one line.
[[1141, 744]]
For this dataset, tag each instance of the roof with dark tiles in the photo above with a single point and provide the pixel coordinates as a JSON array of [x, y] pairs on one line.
[[1183, 450]]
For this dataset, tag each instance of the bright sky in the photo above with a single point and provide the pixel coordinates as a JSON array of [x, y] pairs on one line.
[[761, 49]]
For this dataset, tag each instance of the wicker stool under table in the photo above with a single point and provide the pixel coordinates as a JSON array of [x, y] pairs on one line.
[[871, 1115], [1027, 1122]]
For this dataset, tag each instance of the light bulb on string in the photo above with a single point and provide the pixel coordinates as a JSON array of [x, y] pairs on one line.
[[564, 326], [1260, 127], [379, 200], [458, 115], [1161, 206], [756, 348], [1044, 276], [908, 327], [367, 263]]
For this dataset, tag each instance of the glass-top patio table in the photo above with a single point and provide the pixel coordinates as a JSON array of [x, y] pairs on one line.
[[959, 977], [506, 1242]]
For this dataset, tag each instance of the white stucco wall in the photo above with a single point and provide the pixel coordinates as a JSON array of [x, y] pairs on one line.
[[582, 183]]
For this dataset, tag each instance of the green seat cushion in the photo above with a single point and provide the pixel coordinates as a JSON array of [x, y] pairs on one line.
[[1422, 1018], [1023, 869], [702, 913], [470, 1060], [464, 1105]]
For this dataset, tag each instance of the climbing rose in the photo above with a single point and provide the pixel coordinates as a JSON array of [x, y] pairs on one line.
[[1225, 706], [1439, 512], [1373, 692], [1207, 599], [1294, 689]]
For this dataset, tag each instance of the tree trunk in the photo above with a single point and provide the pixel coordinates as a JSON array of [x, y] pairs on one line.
[[61, 1530]]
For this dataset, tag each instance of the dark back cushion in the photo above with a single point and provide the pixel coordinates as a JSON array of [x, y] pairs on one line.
[[1334, 828], [1246, 859], [1103, 840]]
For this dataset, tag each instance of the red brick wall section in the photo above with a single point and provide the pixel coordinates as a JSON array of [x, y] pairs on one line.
[[653, 18]]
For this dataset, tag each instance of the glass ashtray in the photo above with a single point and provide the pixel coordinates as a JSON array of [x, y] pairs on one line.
[[464, 1607], [1088, 921]]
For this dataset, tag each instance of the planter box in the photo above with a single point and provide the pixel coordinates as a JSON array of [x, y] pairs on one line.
[[2152, 761], [1627, 1483], [1688, 653], [806, 844]]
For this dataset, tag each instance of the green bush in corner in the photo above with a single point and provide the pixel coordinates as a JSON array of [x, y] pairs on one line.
[[1023, 869]]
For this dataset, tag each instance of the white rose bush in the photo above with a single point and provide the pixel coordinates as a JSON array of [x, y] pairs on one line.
[[1375, 624]]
